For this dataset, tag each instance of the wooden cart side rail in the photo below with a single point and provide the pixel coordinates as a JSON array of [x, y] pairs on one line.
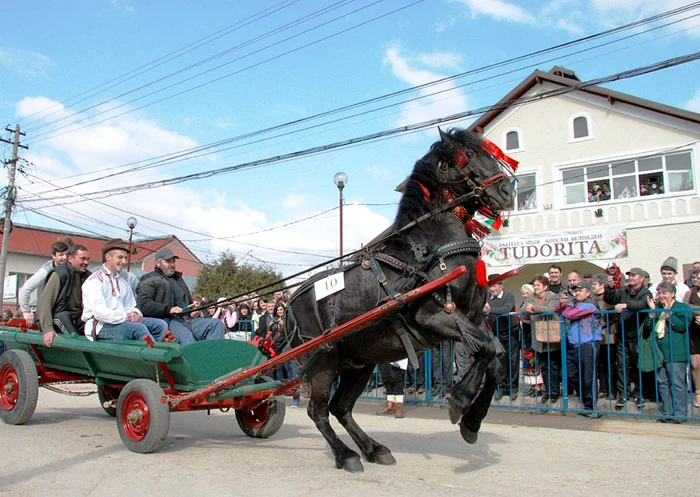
[[363, 321], [126, 350]]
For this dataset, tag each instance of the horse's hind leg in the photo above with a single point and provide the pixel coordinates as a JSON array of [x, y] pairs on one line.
[[466, 390], [321, 382], [470, 423], [352, 384]]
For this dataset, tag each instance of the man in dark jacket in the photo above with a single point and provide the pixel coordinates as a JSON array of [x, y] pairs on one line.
[[61, 303], [163, 294], [266, 319], [629, 300], [500, 304]]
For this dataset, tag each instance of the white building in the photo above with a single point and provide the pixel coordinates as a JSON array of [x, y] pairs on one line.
[[603, 177]]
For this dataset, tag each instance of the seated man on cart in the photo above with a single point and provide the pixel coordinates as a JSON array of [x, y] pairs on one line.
[[109, 304], [61, 305], [163, 294]]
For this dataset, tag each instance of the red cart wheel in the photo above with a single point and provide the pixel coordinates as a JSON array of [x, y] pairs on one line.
[[19, 387], [265, 419], [143, 420]]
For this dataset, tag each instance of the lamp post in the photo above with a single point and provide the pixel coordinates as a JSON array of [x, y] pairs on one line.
[[341, 179], [131, 223]]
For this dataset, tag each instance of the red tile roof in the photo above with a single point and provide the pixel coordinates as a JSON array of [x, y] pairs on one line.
[[38, 241]]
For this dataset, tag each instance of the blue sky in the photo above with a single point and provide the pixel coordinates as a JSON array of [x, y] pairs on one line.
[[292, 60]]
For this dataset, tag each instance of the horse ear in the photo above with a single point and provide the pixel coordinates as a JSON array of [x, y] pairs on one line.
[[445, 137]]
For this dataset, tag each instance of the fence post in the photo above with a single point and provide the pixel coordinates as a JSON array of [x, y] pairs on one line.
[[564, 369]]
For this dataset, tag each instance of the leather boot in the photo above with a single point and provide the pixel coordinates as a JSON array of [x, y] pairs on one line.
[[389, 409], [399, 410]]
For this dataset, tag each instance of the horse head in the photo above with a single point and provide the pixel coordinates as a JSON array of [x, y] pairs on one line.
[[474, 165], [466, 170]]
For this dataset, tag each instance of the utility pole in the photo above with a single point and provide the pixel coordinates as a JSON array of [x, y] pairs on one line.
[[9, 202]]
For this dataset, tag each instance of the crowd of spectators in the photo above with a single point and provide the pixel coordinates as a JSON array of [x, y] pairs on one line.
[[626, 340]]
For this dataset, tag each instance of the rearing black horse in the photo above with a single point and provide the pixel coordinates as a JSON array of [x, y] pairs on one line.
[[471, 175]]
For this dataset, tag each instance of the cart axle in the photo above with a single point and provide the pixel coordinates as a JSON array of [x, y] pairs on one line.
[[9, 387], [135, 416]]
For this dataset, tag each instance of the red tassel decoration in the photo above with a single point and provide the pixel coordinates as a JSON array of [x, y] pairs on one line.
[[477, 229], [487, 212]]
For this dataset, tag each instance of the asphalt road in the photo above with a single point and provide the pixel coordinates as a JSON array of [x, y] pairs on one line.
[[71, 448]]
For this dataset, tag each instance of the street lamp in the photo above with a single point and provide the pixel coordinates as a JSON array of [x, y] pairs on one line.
[[341, 179], [131, 223]]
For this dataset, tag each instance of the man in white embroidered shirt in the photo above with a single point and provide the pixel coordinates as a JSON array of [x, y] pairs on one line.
[[109, 304]]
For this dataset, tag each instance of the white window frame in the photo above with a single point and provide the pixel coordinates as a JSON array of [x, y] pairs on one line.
[[537, 192], [561, 195], [520, 140], [589, 122]]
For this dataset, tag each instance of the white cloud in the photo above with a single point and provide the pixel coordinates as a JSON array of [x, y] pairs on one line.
[[293, 201], [447, 99], [203, 207], [445, 23], [122, 6], [121, 140], [569, 26], [441, 60], [500, 10], [25, 63], [383, 173], [694, 103], [616, 12]]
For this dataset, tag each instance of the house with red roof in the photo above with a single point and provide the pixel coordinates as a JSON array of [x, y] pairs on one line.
[[30, 247]]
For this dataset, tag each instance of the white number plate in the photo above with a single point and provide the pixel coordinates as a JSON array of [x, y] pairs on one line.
[[329, 285]]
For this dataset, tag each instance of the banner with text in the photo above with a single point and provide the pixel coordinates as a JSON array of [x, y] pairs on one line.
[[585, 244]]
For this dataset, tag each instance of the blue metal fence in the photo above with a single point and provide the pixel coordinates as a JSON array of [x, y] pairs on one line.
[[554, 378]]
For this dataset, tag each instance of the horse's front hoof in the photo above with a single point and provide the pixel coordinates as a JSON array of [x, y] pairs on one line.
[[469, 436], [351, 464], [384, 458], [454, 411]]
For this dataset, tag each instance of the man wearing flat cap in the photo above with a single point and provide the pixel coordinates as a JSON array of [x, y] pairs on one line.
[[628, 301], [163, 294], [109, 303], [583, 345], [506, 327]]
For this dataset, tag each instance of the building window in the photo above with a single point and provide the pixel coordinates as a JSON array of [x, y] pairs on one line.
[[581, 127], [526, 192], [654, 175], [512, 140]]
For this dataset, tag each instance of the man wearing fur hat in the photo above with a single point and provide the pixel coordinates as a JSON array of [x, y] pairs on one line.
[[669, 273], [109, 304]]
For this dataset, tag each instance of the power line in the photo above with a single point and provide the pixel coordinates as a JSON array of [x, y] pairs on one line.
[[189, 154], [665, 64], [192, 66], [164, 59], [270, 59]]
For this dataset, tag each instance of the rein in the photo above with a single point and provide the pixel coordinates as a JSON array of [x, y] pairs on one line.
[[450, 202], [456, 201]]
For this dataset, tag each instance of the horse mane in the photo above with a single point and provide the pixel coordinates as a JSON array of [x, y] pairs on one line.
[[412, 204]]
